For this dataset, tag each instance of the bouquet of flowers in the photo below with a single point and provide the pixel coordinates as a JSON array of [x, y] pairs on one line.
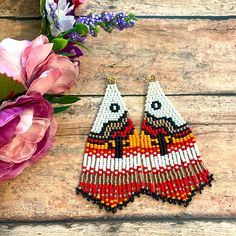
[[34, 76]]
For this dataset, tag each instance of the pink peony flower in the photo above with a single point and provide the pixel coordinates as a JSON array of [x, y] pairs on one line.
[[36, 66], [27, 129]]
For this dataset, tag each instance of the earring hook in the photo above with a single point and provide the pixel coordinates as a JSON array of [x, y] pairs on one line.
[[150, 78], [111, 79]]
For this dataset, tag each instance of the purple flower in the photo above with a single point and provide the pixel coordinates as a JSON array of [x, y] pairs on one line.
[[72, 49], [76, 37], [27, 130], [108, 21]]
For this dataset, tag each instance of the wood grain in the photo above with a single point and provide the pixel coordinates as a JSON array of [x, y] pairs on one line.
[[194, 61], [196, 56], [197, 110], [23, 8], [46, 191], [19, 8], [187, 56], [164, 8], [16, 29], [139, 228]]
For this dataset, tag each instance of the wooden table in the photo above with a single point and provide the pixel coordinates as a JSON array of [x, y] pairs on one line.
[[191, 46]]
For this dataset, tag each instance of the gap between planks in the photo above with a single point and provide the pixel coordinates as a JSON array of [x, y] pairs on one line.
[[194, 57], [176, 219], [163, 228], [212, 18]]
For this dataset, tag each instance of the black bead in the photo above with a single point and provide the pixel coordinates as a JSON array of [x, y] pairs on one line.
[[179, 202], [143, 191], [156, 105], [78, 191], [114, 107], [108, 208], [186, 204]]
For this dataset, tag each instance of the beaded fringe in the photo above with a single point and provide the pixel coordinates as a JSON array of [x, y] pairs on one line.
[[172, 165], [163, 161], [112, 169]]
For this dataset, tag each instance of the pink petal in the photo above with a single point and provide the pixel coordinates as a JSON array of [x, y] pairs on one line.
[[45, 81], [35, 43], [13, 171], [37, 131], [10, 57], [23, 146], [17, 150], [45, 143], [36, 57], [69, 75], [26, 119], [41, 39]]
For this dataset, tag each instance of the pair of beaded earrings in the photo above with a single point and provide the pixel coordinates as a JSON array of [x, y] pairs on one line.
[[162, 161]]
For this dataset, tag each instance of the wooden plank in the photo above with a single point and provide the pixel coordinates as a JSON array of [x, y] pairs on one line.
[[196, 56], [46, 191], [187, 56], [25, 29], [141, 7], [198, 110], [201, 228], [164, 8], [19, 8]]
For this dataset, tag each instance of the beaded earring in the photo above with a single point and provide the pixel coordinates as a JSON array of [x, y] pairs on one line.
[[111, 170], [173, 167]]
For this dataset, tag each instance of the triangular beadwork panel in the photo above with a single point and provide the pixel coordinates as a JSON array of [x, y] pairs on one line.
[[111, 172], [173, 167]]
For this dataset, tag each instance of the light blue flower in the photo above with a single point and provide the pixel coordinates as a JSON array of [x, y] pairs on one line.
[[58, 18]]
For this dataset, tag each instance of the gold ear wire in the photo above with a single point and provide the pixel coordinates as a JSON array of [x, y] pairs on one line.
[[151, 78], [110, 79], [103, 70]]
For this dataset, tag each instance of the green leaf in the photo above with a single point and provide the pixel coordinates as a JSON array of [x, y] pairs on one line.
[[131, 15], [81, 29], [68, 99], [59, 43], [49, 98], [43, 12], [42, 6], [58, 110], [97, 30], [102, 24], [9, 88]]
